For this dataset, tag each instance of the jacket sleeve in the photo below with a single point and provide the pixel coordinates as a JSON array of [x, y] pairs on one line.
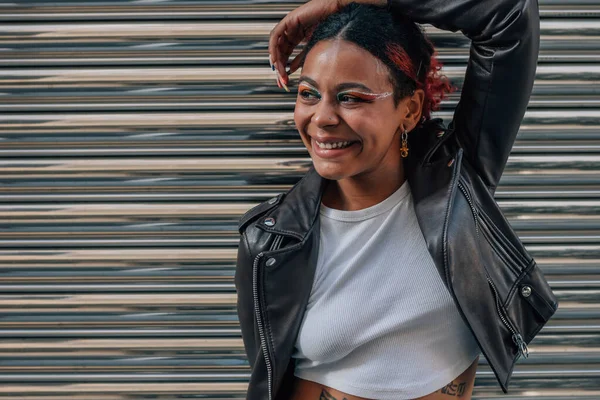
[[245, 299], [500, 72]]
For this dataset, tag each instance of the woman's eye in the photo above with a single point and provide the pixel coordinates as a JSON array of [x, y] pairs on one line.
[[308, 95], [345, 98]]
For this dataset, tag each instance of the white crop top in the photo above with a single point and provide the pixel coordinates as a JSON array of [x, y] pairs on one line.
[[380, 323]]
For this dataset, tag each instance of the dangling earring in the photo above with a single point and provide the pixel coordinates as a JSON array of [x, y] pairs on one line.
[[404, 148]]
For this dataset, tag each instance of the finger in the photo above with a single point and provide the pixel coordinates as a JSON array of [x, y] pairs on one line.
[[284, 38], [297, 61], [285, 51], [281, 62], [276, 32], [286, 44], [292, 37], [282, 82], [296, 31]]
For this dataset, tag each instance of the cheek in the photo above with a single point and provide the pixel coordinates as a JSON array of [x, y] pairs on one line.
[[375, 128], [301, 117], [364, 123]]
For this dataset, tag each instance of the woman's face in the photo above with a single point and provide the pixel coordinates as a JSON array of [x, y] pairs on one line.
[[345, 95]]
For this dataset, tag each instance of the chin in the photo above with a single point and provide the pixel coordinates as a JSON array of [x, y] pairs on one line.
[[334, 173]]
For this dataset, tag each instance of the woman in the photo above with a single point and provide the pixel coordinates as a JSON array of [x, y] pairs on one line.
[[388, 268]]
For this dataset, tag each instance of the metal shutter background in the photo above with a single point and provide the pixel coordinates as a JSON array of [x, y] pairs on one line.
[[133, 135]]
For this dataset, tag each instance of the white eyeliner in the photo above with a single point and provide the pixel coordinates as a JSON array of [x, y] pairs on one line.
[[375, 95]]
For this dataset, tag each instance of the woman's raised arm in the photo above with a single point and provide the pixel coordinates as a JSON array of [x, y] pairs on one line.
[[505, 41]]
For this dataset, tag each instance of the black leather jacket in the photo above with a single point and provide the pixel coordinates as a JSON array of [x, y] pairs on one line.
[[453, 172]]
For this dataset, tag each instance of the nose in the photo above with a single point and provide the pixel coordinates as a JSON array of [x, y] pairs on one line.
[[325, 114]]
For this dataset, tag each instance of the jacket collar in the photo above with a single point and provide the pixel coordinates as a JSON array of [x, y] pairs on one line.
[[299, 208]]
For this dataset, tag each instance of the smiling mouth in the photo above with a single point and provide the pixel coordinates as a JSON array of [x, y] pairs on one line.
[[335, 145]]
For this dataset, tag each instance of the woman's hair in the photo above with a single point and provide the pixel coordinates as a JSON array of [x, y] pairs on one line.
[[397, 41]]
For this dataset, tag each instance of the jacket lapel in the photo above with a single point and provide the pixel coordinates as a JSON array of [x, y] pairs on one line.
[[288, 283], [299, 208], [433, 185]]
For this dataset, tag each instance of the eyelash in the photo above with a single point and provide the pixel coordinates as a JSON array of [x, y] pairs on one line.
[[354, 99]]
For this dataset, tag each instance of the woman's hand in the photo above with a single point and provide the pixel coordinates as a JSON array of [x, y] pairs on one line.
[[295, 27]]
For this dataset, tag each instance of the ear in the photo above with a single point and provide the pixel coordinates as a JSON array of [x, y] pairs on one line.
[[413, 109]]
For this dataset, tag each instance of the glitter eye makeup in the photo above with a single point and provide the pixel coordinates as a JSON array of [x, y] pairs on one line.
[[310, 88], [355, 96], [308, 93], [364, 95]]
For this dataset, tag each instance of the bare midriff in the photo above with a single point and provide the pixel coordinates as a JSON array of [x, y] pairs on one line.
[[459, 389]]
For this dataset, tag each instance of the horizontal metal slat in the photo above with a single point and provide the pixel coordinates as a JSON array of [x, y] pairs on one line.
[[118, 232], [223, 9]]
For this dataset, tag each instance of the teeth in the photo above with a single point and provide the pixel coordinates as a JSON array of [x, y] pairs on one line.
[[335, 145]]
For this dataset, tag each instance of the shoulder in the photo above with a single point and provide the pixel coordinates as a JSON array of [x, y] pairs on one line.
[[258, 210], [267, 205]]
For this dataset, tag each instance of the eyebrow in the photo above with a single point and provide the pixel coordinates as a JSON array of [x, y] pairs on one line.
[[341, 86]]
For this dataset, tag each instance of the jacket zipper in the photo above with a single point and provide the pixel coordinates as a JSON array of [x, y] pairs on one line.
[[263, 340], [516, 336]]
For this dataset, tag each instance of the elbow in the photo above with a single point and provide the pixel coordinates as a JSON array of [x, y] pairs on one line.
[[529, 18], [513, 33], [528, 32], [510, 21]]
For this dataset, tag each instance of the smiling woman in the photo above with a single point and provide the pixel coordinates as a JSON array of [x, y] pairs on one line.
[[369, 277], [359, 96], [329, 111]]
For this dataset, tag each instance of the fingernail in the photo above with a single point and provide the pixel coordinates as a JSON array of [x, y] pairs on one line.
[[282, 81], [271, 63]]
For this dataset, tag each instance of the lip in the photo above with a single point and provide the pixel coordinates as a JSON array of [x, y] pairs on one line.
[[331, 153]]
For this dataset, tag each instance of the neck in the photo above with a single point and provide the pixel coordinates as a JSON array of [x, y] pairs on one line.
[[365, 189]]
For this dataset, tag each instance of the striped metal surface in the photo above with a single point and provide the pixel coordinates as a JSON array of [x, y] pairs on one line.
[[133, 135]]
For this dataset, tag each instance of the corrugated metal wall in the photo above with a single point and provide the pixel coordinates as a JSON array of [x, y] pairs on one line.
[[133, 135]]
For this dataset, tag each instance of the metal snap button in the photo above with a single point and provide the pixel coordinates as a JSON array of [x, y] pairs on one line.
[[526, 291], [273, 200], [270, 262], [270, 221]]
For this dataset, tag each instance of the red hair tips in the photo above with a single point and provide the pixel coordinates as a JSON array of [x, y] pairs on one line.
[[436, 85], [401, 59]]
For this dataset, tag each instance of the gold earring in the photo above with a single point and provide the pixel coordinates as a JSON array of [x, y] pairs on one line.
[[404, 148]]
